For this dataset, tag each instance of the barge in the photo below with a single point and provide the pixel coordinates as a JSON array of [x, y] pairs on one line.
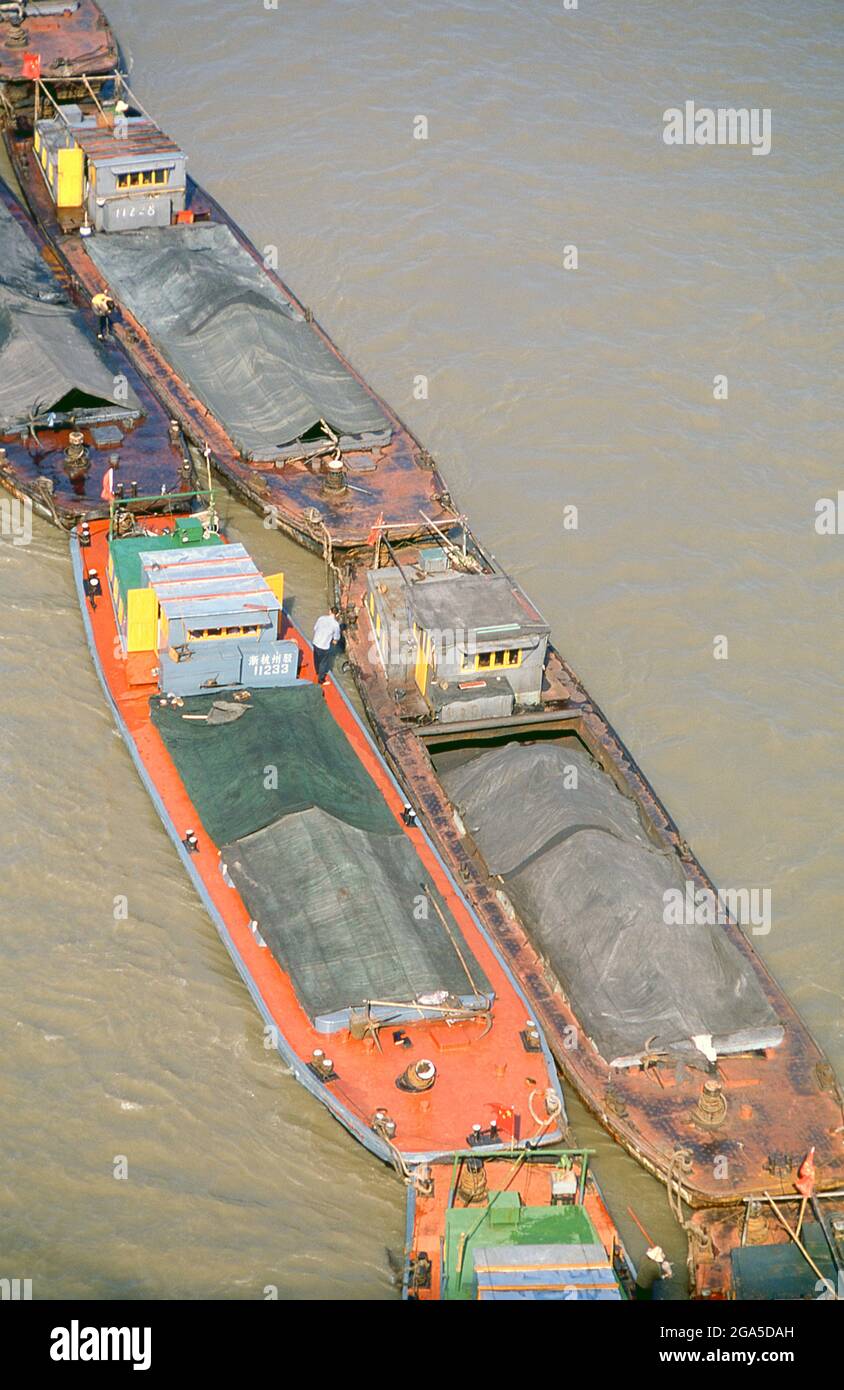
[[378, 985], [672, 1031], [527, 1226], [78, 425], [769, 1248], [60, 40], [231, 352]]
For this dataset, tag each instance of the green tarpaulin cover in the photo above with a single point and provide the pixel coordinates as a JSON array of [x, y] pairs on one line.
[[229, 771], [338, 891], [345, 912]]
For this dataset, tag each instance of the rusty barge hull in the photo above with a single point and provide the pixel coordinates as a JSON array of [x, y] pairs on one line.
[[778, 1103], [71, 42], [714, 1235], [151, 456], [403, 482]]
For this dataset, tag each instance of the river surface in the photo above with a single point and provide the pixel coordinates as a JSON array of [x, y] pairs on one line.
[[547, 388]]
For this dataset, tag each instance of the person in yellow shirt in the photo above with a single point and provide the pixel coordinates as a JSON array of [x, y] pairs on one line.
[[103, 306]]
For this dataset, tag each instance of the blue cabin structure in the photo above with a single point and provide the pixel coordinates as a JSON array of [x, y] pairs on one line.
[[199, 613]]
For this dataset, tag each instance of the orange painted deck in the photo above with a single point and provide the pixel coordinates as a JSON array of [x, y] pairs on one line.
[[532, 1181], [477, 1071]]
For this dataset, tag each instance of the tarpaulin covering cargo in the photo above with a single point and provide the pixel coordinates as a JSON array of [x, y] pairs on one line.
[[22, 268], [590, 887], [46, 352], [338, 908], [229, 332], [337, 890]]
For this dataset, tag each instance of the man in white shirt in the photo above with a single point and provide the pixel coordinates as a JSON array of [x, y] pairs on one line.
[[326, 637]]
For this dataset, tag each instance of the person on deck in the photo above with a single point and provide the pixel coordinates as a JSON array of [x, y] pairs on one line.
[[326, 637], [103, 306], [108, 490]]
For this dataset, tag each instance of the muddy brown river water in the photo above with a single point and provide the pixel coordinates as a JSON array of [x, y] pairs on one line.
[[546, 387]]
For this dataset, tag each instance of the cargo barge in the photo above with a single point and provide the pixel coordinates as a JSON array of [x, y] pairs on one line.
[[230, 351], [78, 425], [720, 1117], [769, 1248], [379, 987], [675, 1036]]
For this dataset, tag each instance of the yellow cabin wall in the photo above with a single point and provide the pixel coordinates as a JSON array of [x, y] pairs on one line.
[[142, 622], [70, 186]]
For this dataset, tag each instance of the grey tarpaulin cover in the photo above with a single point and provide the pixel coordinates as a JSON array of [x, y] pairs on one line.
[[22, 268], [45, 351], [588, 884], [335, 905], [228, 331]]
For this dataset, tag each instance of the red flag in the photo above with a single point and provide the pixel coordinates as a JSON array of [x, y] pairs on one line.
[[108, 485], [503, 1114], [805, 1180], [375, 533], [31, 66]]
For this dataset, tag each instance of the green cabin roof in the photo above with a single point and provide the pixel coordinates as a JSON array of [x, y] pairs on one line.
[[505, 1225]]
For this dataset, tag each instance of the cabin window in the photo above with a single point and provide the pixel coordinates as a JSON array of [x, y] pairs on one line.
[[146, 178], [210, 634], [491, 661]]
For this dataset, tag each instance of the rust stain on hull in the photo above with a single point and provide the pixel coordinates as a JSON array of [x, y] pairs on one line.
[[714, 1234]]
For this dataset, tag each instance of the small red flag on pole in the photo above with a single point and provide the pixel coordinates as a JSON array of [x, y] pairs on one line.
[[805, 1184], [504, 1116], [107, 491], [31, 66], [805, 1180], [375, 533]]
